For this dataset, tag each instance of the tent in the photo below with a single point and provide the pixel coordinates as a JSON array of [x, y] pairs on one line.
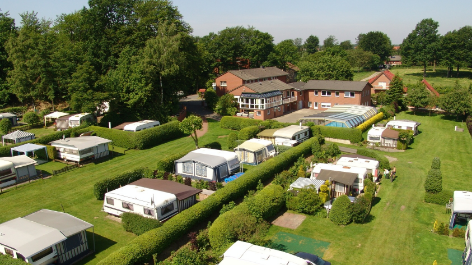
[[12, 117], [54, 116], [254, 151], [301, 183], [25, 148], [461, 208], [18, 137]]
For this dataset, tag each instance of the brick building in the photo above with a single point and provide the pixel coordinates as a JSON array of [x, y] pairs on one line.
[[381, 82]]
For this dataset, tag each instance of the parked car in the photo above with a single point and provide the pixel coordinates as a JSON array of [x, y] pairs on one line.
[[312, 259]]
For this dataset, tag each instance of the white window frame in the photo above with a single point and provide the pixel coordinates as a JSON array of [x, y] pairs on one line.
[[268, 112], [258, 113], [309, 104], [336, 93], [326, 93], [350, 95], [315, 106], [223, 83], [315, 92]]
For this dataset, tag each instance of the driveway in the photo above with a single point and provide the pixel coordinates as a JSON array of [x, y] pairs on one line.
[[195, 105], [296, 115]]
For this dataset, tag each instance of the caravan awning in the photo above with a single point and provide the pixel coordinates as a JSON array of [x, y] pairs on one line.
[[25, 148]]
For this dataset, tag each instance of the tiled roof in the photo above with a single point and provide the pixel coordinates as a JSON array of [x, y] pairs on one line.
[[335, 85], [255, 73], [298, 85], [392, 134], [269, 85], [430, 88], [387, 73]]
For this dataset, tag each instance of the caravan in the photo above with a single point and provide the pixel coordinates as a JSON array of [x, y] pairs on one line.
[[141, 125], [79, 119]]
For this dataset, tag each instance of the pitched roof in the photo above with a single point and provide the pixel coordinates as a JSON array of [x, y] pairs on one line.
[[269, 85], [430, 88], [18, 135], [298, 85], [64, 222], [338, 176], [392, 134], [335, 85], [180, 191], [395, 58], [256, 73], [82, 142], [387, 73]]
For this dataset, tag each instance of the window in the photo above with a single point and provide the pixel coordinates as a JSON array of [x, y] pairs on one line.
[[41, 254], [200, 170], [222, 83], [167, 209], [110, 201], [126, 205], [187, 167], [316, 105], [258, 113], [316, 92], [268, 112], [336, 93], [148, 211], [293, 94], [326, 105], [9, 252], [309, 104], [326, 93], [339, 187], [5, 172], [374, 138], [19, 256], [348, 94]]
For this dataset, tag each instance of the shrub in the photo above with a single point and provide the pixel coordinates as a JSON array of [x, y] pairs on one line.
[[186, 255], [103, 186], [324, 192], [248, 133], [458, 232], [282, 148], [18, 111], [44, 112], [368, 196], [307, 201], [267, 202], [440, 198], [284, 179], [369, 186], [227, 207], [118, 137], [360, 209], [211, 98], [341, 211], [138, 224], [373, 120], [436, 164], [167, 164], [5, 126], [231, 140], [383, 161], [433, 183], [352, 134], [160, 134], [237, 123], [155, 241], [31, 118], [272, 124], [7, 260], [226, 105], [333, 150], [188, 182]]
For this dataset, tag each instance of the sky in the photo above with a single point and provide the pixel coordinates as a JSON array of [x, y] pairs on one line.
[[345, 19]]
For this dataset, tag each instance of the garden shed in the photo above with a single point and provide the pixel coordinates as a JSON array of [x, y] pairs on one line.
[[207, 164], [461, 209], [78, 149], [12, 117], [45, 237], [53, 116], [153, 198], [341, 183], [18, 137], [361, 173], [29, 148], [291, 135], [254, 151], [24, 169]]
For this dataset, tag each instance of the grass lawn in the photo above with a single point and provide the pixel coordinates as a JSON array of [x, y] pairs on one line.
[[40, 132], [399, 230], [74, 190], [358, 76]]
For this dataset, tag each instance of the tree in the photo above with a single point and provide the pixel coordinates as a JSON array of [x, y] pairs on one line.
[[211, 98], [324, 67], [307, 201], [360, 59], [421, 45], [395, 93], [7, 28], [360, 209], [81, 88], [5, 126], [376, 42], [346, 45], [191, 125], [226, 105], [418, 96], [311, 44], [329, 42], [433, 183], [456, 49], [457, 102], [341, 211], [231, 140], [31, 118], [284, 52]]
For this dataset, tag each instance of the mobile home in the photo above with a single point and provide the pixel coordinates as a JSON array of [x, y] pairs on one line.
[[291, 135], [78, 119], [404, 125], [141, 125], [7, 173], [461, 208], [207, 164], [23, 168], [255, 151], [361, 173], [370, 164], [78, 149], [152, 198]]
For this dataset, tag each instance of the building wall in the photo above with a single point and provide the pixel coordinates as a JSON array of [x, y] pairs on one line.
[[268, 113], [232, 82], [360, 98], [376, 85]]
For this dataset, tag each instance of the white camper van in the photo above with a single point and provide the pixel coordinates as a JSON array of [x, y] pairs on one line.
[[141, 125], [78, 119], [467, 256], [7, 173]]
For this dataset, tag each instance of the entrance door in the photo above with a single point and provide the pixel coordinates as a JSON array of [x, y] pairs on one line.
[[300, 104]]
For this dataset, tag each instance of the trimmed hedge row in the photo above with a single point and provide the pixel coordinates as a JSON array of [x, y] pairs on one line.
[[352, 134], [248, 132], [167, 164], [120, 138], [383, 161], [138, 224], [440, 198], [15, 110], [143, 247], [236, 123], [103, 186], [366, 125]]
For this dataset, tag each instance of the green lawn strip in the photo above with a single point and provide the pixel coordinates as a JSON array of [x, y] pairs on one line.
[[40, 132], [74, 190], [358, 76], [435, 78]]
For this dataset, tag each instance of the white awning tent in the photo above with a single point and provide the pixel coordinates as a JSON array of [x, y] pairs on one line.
[[54, 115], [25, 148], [462, 204], [18, 137]]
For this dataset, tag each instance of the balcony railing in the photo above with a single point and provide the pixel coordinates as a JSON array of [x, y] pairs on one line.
[[289, 100], [260, 106]]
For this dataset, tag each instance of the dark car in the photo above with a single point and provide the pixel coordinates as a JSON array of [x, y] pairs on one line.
[[312, 259]]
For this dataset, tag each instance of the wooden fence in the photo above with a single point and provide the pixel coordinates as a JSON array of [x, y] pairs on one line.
[[64, 169]]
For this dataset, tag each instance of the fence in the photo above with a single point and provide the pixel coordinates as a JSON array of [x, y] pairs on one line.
[[64, 169]]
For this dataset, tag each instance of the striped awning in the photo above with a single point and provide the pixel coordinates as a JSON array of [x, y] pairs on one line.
[[18, 135]]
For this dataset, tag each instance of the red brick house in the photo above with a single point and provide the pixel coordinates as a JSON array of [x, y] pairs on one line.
[[381, 82], [323, 94], [236, 78], [394, 60]]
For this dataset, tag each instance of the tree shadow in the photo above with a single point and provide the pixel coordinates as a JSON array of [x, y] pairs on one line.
[[277, 246], [213, 145], [369, 218], [375, 200]]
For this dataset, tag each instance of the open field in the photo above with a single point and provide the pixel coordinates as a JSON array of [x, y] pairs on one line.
[[399, 230], [435, 78], [74, 190]]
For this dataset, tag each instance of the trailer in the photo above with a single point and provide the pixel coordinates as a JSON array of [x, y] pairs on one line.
[[141, 125]]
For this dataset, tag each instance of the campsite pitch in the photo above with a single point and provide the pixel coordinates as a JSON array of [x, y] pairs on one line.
[[294, 243]]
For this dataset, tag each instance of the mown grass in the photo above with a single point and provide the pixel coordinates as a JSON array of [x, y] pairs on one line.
[[74, 190], [399, 230]]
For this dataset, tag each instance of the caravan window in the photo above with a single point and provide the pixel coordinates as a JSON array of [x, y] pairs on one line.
[[201, 170], [41, 254], [5, 172], [187, 167], [149, 211], [110, 201], [339, 187], [223, 171], [127, 205], [167, 209], [9, 252]]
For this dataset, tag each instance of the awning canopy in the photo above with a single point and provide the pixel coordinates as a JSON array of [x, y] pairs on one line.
[[18, 136], [55, 115], [25, 148]]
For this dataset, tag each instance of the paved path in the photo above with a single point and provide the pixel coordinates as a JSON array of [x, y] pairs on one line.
[[195, 105], [372, 75], [348, 150], [204, 129]]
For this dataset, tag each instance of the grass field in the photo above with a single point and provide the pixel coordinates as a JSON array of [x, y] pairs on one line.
[[435, 78], [398, 231], [74, 190]]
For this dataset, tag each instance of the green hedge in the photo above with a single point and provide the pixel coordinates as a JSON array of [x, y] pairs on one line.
[[353, 135], [138, 224], [18, 111], [167, 164], [341, 211], [440, 198], [7, 260], [237, 123], [103, 186], [143, 247], [373, 120], [120, 138], [248, 132], [383, 161]]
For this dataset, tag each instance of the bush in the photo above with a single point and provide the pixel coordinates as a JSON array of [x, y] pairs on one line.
[[368, 123], [360, 209], [155, 241], [369, 186], [333, 150], [383, 161], [18, 111], [7, 260], [433, 183], [324, 192], [5, 126], [231, 140], [167, 164], [248, 133], [267, 202], [351, 134], [118, 137], [458, 232], [307, 201], [436, 164], [227, 207], [273, 124], [440, 198], [31, 118], [237, 123], [103, 186], [282, 148], [138, 224], [211, 98], [341, 211], [186, 255]]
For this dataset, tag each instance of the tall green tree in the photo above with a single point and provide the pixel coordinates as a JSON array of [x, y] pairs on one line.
[[84, 97], [311, 44], [360, 59], [376, 42], [457, 102], [284, 52], [421, 46], [346, 45], [323, 66], [395, 92], [329, 42], [7, 28], [227, 105], [418, 96]]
